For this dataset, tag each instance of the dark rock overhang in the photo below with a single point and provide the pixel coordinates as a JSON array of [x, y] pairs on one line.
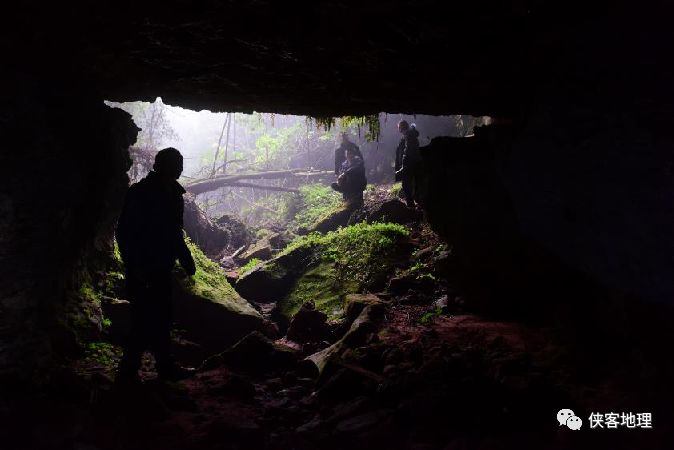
[[318, 58]]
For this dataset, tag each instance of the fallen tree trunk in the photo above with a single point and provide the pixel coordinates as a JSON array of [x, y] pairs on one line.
[[201, 186], [262, 186]]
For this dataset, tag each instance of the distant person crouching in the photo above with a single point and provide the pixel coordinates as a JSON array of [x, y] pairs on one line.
[[351, 181]]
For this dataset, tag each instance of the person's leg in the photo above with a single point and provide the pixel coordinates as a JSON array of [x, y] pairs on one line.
[[162, 320], [408, 190], [137, 341], [161, 325]]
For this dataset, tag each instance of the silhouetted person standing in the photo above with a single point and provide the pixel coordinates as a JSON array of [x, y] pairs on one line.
[[407, 161], [150, 238], [340, 152]]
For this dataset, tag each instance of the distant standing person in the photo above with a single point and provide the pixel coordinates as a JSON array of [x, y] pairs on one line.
[[150, 237], [340, 152], [407, 161], [351, 181]]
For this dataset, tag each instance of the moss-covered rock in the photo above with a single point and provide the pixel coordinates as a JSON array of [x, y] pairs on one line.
[[210, 311], [274, 279], [333, 220], [325, 268]]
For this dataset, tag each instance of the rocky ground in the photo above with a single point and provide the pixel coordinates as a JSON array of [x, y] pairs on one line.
[[407, 367]]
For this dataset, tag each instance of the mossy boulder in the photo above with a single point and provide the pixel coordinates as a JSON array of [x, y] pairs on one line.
[[333, 220], [274, 279], [325, 268], [210, 311]]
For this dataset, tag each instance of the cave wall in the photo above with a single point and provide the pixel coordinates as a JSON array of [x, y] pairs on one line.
[[583, 173], [64, 163]]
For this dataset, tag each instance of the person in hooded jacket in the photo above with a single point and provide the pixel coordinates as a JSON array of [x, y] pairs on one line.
[[407, 161]]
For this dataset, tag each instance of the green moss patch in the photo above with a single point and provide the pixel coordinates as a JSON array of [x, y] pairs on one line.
[[347, 261], [209, 282]]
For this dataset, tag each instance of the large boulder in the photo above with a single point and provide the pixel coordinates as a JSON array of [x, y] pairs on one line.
[[325, 269], [308, 325], [210, 311], [255, 354], [273, 280], [393, 211], [210, 237], [239, 233], [334, 220], [390, 210], [261, 250]]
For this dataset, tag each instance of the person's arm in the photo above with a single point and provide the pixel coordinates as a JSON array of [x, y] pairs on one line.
[[411, 151], [184, 254]]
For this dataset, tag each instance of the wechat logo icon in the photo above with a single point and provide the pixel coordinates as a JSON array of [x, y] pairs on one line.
[[568, 418]]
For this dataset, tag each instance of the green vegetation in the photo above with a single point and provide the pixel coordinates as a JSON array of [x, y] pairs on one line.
[[102, 353], [396, 190], [421, 271], [314, 202], [371, 122], [428, 317], [346, 261], [209, 282], [250, 265]]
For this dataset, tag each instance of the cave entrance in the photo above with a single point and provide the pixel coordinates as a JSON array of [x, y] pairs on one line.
[[280, 318], [263, 173]]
